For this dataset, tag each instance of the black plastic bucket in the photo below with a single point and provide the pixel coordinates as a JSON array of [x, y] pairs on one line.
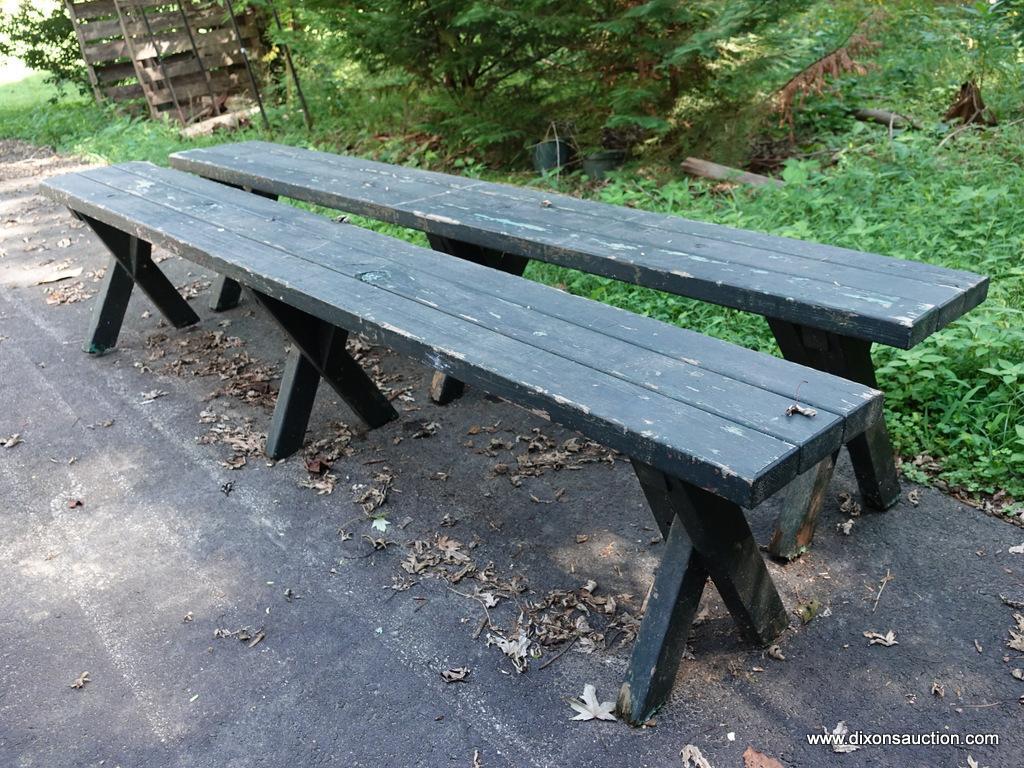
[[599, 163], [551, 155]]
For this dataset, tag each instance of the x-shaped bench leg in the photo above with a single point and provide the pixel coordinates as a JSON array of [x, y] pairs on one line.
[[704, 536], [871, 453], [319, 353], [131, 263], [445, 388]]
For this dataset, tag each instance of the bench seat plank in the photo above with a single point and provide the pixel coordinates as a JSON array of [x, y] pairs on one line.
[[670, 353], [856, 294], [475, 294], [673, 436]]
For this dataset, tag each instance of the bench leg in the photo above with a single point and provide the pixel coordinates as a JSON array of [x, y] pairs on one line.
[[131, 263], [445, 388], [705, 536], [226, 294], [871, 453], [802, 501], [320, 353]]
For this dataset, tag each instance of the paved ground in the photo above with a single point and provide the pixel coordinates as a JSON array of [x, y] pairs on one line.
[[132, 584]]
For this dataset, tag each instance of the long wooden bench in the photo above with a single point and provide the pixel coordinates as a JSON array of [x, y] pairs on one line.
[[710, 427], [825, 305]]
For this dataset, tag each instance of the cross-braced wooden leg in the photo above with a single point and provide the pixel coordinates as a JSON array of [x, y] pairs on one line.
[[705, 536], [320, 353], [130, 264], [443, 387], [227, 292], [870, 452]]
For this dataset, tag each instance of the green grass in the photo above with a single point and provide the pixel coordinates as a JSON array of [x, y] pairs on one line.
[[957, 398]]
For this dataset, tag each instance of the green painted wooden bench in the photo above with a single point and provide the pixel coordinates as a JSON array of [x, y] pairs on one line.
[[825, 305], [709, 427]]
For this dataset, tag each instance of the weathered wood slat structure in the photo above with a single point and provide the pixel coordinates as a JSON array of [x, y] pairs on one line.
[[708, 426], [181, 56], [825, 305]]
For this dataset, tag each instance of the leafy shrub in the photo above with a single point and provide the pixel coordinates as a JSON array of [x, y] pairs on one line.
[[45, 40]]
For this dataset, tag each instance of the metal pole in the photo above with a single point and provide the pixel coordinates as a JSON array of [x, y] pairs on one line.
[[291, 69], [160, 63], [199, 59], [248, 66]]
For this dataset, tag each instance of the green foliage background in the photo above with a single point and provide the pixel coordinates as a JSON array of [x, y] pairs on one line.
[[937, 194]]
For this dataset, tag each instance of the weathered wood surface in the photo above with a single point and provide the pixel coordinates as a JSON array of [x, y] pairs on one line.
[[130, 264], [705, 411], [320, 354], [704, 536], [861, 295], [871, 451], [120, 54]]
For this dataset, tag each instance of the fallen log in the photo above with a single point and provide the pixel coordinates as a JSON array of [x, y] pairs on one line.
[[884, 117], [227, 121], [708, 170]]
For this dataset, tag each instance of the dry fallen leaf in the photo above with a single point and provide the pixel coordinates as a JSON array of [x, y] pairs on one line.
[[754, 759], [10, 441], [1016, 641], [802, 410], [938, 689], [692, 757], [775, 652], [845, 527], [888, 639], [589, 708], [149, 397], [81, 680], [842, 730], [914, 497], [849, 505], [455, 674]]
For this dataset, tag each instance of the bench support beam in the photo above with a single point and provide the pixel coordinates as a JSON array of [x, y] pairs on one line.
[[704, 536], [319, 354], [131, 263], [227, 292], [871, 453], [445, 388]]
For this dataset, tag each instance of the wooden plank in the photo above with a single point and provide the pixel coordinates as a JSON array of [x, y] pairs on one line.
[[116, 72], [193, 87], [859, 405], [657, 430], [590, 236], [162, 21], [209, 43], [124, 92], [436, 281], [90, 70], [396, 175]]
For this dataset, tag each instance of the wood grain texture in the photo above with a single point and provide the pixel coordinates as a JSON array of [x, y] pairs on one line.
[[862, 295]]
